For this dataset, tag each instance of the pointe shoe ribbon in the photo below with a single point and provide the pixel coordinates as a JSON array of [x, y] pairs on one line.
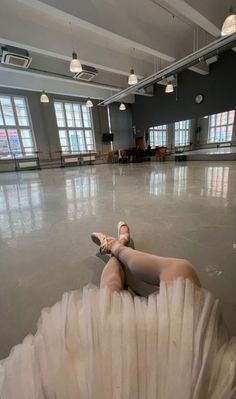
[[103, 241]]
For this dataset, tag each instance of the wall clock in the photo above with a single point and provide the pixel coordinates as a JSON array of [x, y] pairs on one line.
[[199, 98]]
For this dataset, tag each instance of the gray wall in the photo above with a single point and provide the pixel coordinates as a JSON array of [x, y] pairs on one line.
[[121, 126], [218, 87], [45, 127]]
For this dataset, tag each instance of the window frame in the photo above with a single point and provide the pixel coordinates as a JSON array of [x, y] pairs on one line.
[[158, 129], [215, 126], [178, 130], [67, 128], [18, 128]]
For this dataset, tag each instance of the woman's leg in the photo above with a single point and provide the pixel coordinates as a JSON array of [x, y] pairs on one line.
[[152, 268], [113, 275]]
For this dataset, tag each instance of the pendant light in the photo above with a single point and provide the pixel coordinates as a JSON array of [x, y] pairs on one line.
[[132, 80], [75, 65], [169, 88], [122, 107], [44, 98], [229, 26], [89, 103]]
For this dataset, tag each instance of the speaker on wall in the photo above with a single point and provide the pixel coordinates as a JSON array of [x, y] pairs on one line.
[[107, 137]]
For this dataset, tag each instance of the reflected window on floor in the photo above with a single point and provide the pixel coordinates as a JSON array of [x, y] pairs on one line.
[[75, 127], [221, 127], [158, 136], [182, 136], [217, 181], [16, 131]]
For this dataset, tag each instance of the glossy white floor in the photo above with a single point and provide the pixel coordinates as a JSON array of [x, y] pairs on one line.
[[46, 217]]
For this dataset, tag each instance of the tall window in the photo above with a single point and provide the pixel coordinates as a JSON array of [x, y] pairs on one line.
[[75, 127], [182, 133], [221, 127], [158, 136], [16, 132]]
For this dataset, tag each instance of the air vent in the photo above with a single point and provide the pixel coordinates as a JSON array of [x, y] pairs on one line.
[[88, 73], [16, 57]]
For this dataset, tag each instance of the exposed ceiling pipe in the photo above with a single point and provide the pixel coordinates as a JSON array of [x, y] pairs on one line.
[[200, 55]]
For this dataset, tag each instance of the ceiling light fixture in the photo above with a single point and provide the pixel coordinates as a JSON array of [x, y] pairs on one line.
[[169, 88], [89, 103], [44, 98], [132, 80], [75, 65], [229, 26], [122, 107]]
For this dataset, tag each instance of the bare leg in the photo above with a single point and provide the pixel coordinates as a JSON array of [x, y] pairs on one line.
[[152, 268], [113, 275]]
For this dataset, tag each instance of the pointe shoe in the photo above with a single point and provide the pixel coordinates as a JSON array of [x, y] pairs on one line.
[[103, 241], [125, 237]]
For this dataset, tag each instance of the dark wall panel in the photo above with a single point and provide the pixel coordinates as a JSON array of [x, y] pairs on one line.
[[218, 88]]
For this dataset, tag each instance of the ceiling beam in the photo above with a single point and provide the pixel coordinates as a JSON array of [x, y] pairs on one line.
[[183, 8], [82, 23], [28, 80]]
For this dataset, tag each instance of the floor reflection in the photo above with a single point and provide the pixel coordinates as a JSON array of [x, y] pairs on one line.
[[158, 183], [20, 209], [80, 193], [180, 180], [217, 180]]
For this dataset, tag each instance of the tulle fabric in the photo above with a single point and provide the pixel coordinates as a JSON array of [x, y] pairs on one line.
[[97, 344]]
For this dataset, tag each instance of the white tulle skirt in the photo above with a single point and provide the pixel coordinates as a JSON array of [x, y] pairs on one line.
[[102, 345]]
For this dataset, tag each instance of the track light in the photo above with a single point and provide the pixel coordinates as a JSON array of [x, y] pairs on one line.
[[132, 80], [44, 98], [122, 107], [169, 88], [89, 103], [229, 26], [75, 65]]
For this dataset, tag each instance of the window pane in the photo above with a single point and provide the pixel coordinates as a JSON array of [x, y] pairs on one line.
[[229, 132], [7, 111], [86, 116], [73, 141], [69, 115], [15, 113], [81, 140], [89, 137], [60, 114], [158, 135], [14, 141], [21, 111], [63, 140], [182, 133], [221, 127], [26, 134], [231, 117], [27, 143], [29, 151], [4, 148], [77, 115], [1, 118]]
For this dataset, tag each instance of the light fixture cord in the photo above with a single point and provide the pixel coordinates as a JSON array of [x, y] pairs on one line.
[[71, 34], [176, 90]]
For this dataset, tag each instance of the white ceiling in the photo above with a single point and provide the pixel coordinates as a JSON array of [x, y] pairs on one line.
[[111, 35]]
